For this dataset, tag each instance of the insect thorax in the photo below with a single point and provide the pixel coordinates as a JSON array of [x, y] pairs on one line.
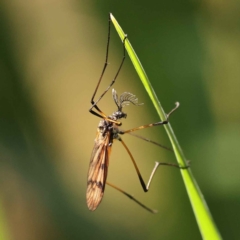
[[105, 125]]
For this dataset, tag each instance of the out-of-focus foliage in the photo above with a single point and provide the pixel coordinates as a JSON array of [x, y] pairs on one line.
[[51, 56]]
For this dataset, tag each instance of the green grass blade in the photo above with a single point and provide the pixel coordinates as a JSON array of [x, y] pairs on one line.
[[203, 216]]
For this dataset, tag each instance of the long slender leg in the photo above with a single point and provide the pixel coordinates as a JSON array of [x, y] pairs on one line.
[[102, 115], [132, 198], [114, 79], [105, 64], [157, 164], [94, 103], [152, 124], [149, 140]]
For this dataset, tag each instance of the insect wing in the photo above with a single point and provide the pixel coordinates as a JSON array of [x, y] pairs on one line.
[[98, 170]]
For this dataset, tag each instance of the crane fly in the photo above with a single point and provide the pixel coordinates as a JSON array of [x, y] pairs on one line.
[[109, 130]]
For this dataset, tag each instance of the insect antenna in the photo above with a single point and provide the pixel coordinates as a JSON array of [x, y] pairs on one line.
[[125, 99]]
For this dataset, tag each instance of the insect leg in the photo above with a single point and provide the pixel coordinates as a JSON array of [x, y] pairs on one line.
[[157, 164], [132, 198], [104, 67], [152, 124], [149, 140], [102, 115], [94, 103]]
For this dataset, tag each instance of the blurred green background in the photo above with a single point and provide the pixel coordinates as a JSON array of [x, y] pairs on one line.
[[51, 56]]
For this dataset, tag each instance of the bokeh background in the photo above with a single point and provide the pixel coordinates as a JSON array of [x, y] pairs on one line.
[[52, 53]]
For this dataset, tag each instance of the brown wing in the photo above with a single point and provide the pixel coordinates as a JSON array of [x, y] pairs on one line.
[[98, 169]]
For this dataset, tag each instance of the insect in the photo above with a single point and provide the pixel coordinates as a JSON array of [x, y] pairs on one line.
[[109, 130]]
